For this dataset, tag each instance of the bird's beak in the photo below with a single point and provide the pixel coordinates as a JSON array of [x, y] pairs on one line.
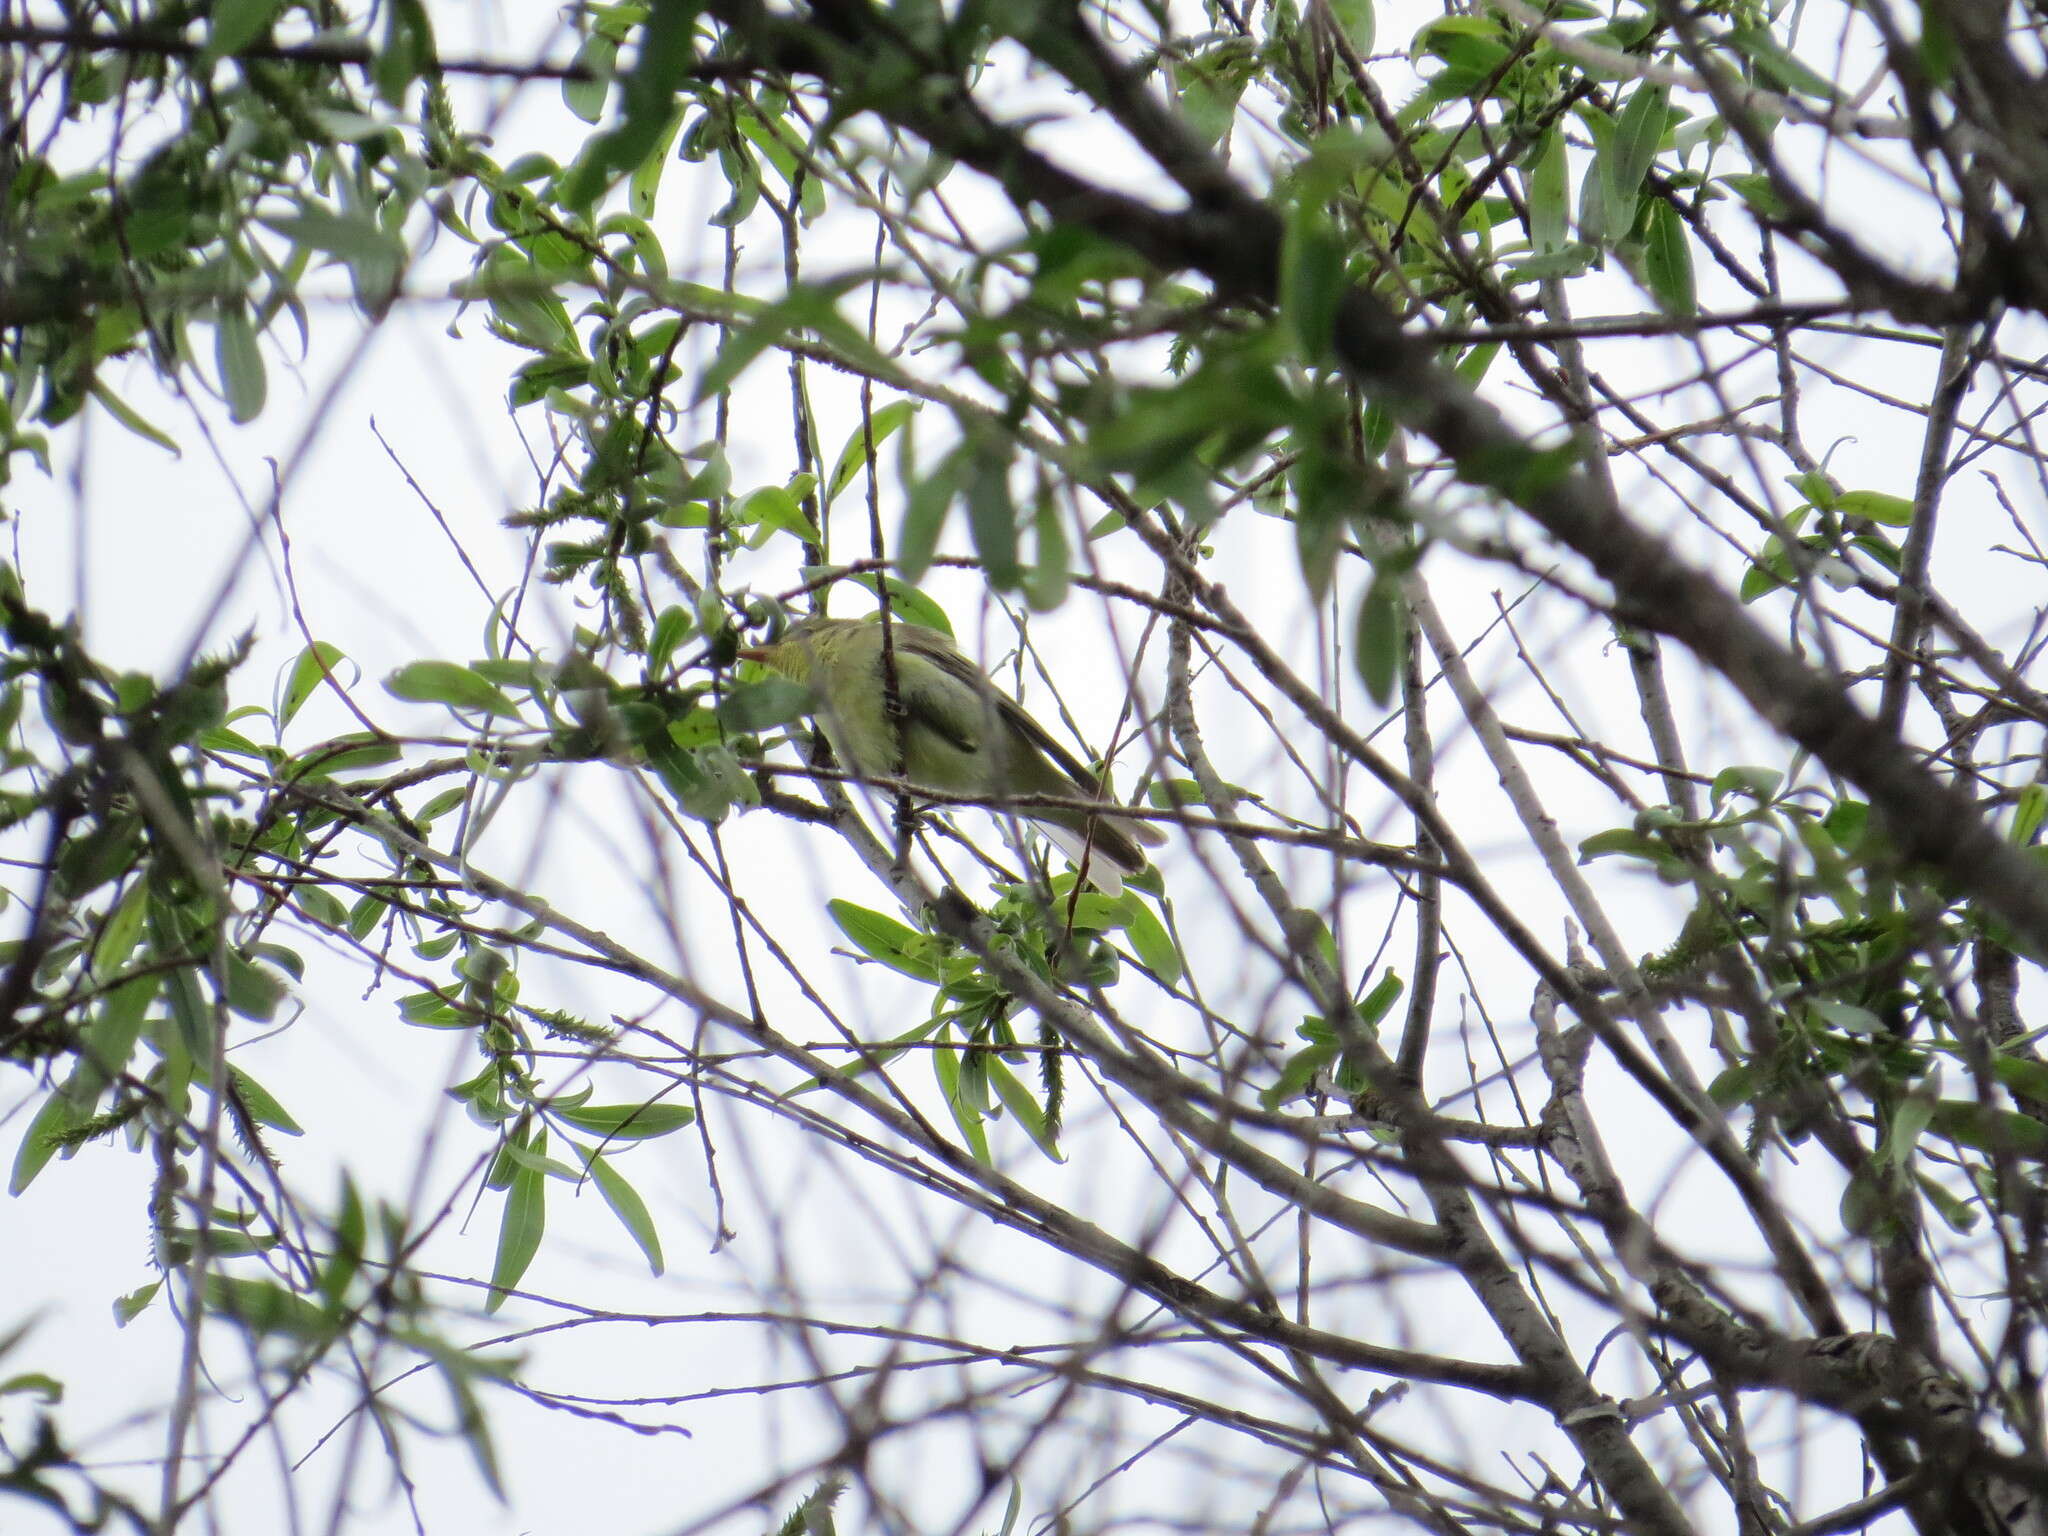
[[752, 653]]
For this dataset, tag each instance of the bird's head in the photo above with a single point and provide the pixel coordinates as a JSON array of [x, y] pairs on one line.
[[799, 649]]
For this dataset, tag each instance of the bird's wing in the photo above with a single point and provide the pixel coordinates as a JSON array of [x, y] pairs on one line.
[[930, 699], [1013, 713], [954, 665]]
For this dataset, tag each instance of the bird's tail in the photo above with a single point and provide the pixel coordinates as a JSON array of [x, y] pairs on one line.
[[1106, 849]]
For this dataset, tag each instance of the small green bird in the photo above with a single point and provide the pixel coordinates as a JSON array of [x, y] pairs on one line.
[[958, 734]]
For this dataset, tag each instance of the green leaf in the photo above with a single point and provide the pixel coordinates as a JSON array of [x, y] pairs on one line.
[[1382, 997], [670, 630], [1777, 64], [110, 1041], [1937, 45], [268, 1309], [252, 991], [1357, 20], [131, 1306], [433, 1011], [2022, 1075], [344, 754], [350, 237], [1895, 511], [648, 93], [643, 186], [1846, 1016], [1990, 1130], [924, 516], [1869, 1201], [34, 1384], [772, 509], [627, 1122], [946, 1067], [1631, 843], [706, 782], [2027, 813], [770, 701], [522, 1226], [1208, 86], [1149, 939], [1667, 261], [1760, 784], [130, 418], [38, 1144], [1627, 161], [1377, 645], [1024, 1105], [810, 306], [1311, 278], [854, 454], [1735, 1085], [1908, 1121], [1046, 582], [120, 931], [992, 516], [1298, 1072], [1549, 194], [1598, 224], [1772, 569], [1571, 259], [884, 939], [598, 55], [907, 605], [450, 683], [1960, 1215], [351, 1235], [315, 665], [408, 49], [1761, 193], [236, 24], [240, 362], [262, 1107], [626, 1204]]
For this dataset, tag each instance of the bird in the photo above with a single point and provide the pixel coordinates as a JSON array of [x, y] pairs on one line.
[[958, 734]]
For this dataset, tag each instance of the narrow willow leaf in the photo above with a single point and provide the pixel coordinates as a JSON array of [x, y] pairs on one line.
[[946, 1068], [1549, 194], [315, 665], [853, 456], [1879, 507], [1637, 135], [648, 94], [521, 1228], [450, 683], [1376, 645], [992, 518], [884, 939], [628, 1122], [1311, 280], [132, 419], [2027, 813], [241, 363], [1667, 261], [924, 517], [237, 24], [1045, 583], [597, 57], [626, 1204], [37, 1144], [1021, 1103]]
